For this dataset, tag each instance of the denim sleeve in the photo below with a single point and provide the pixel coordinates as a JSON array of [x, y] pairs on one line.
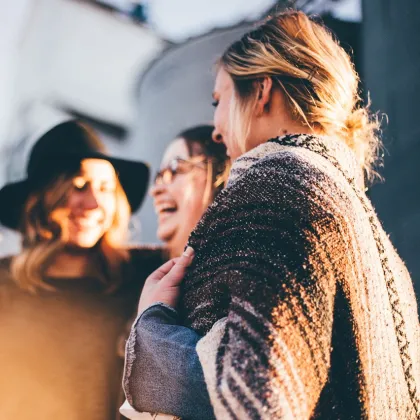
[[163, 373]]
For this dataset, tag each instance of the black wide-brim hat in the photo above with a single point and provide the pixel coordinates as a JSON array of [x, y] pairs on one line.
[[60, 150]]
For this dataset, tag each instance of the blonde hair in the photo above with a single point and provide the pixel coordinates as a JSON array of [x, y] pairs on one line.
[[43, 238], [217, 177], [199, 142], [316, 76]]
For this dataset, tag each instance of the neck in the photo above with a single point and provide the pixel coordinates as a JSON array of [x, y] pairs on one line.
[[174, 251], [71, 263], [277, 120], [275, 128], [176, 246]]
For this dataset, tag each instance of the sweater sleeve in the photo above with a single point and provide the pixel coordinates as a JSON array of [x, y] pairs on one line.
[[270, 357], [162, 370]]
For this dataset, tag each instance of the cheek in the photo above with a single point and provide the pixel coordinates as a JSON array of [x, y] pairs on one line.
[[59, 217], [72, 201], [219, 119], [109, 206], [193, 195]]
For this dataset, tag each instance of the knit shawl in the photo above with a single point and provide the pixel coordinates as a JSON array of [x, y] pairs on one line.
[[306, 309]]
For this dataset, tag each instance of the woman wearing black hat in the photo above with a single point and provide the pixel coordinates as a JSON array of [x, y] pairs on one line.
[[67, 297]]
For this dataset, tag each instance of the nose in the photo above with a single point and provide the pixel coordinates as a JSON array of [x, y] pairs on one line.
[[217, 136], [157, 189], [90, 201]]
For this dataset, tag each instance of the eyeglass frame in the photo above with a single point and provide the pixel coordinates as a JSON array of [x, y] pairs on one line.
[[173, 166]]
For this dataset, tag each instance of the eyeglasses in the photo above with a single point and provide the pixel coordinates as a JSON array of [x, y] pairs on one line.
[[179, 166]]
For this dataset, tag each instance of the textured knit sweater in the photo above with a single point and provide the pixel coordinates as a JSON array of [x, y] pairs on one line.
[[60, 352], [307, 311]]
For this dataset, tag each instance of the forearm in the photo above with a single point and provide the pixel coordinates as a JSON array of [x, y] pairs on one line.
[[163, 373]]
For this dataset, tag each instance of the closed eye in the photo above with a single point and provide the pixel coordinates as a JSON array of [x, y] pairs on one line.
[[105, 187], [79, 183]]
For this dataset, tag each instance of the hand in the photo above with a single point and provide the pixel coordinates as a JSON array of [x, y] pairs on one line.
[[163, 284]]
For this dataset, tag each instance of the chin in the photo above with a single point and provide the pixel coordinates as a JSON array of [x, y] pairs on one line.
[[83, 243], [165, 235], [80, 245]]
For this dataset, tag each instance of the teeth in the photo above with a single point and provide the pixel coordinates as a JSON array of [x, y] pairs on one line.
[[166, 207], [86, 224]]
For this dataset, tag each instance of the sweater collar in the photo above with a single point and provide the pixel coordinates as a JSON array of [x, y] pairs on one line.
[[335, 151]]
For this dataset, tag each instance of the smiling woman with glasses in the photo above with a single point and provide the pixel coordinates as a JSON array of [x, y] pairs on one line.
[[193, 172]]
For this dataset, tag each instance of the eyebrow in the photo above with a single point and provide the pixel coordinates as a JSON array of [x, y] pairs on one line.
[[93, 179], [177, 157]]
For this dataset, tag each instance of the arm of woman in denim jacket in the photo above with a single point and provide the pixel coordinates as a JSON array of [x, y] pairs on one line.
[[162, 372]]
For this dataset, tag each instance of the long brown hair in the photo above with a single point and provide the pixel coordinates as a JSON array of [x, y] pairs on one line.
[[316, 76], [199, 142], [43, 239]]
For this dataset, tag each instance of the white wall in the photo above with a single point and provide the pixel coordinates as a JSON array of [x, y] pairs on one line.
[[84, 57], [66, 53]]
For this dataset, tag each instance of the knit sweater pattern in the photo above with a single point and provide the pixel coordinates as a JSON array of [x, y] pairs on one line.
[[306, 309]]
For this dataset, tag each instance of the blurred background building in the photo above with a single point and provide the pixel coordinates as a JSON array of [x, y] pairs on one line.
[[141, 71]]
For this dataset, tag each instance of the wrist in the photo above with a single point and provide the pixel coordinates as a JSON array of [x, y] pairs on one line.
[[157, 304], [158, 311]]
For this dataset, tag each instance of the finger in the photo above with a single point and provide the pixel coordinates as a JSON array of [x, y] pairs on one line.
[[164, 269], [186, 257], [177, 272], [184, 260]]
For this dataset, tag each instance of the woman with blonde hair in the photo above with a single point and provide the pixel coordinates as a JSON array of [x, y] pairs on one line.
[[295, 305], [67, 297]]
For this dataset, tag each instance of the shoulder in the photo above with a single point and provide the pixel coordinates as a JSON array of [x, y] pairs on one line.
[[5, 263], [145, 259], [283, 168], [280, 192], [140, 263], [5, 274], [286, 178]]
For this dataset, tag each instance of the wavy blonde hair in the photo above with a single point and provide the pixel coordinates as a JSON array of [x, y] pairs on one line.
[[316, 76], [43, 238]]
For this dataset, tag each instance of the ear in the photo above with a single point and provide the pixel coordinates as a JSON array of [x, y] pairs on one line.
[[264, 95]]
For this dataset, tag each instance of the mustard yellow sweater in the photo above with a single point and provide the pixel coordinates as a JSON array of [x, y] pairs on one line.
[[60, 352]]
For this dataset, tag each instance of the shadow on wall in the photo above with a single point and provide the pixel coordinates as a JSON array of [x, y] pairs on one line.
[[174, 94]]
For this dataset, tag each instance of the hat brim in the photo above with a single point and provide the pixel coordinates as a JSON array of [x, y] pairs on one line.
[[133, 176], [13, 196]]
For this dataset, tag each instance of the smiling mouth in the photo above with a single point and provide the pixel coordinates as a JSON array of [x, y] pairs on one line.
[[166, 209], [85, 224]]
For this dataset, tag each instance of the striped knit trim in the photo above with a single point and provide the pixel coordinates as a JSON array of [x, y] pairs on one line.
[[230, 386], [245, 161], [295, 392], [207, 348], [316, 145], [338, 149], [130, 351]]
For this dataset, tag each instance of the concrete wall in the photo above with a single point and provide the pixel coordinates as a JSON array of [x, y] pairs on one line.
[[77, 56], [174, 94], [68, 55], [391, 40]]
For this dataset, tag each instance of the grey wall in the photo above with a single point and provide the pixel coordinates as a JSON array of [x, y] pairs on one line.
[[174, 94], [391, 56]]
